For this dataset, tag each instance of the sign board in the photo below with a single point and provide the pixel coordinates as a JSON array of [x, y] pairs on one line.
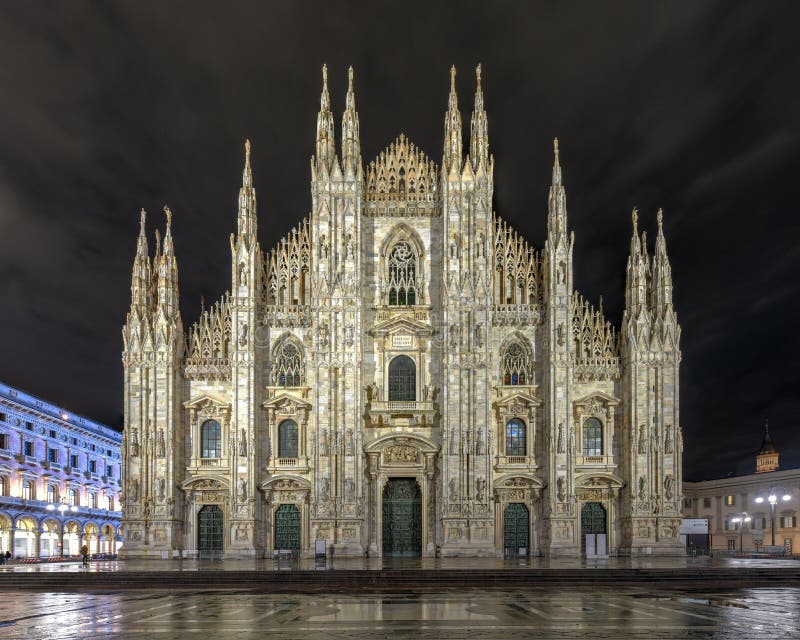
[[693, 526]]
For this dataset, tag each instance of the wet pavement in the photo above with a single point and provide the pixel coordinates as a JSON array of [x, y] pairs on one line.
[[407, 564], [505, 614]]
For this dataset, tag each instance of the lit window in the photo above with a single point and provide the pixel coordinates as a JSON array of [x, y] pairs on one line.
[[29, 449], [52, 495], [788, 522], [730, 500], [3, 485], [516, 364], [287, 439], [3, 441], [402, 275], [592, 437], [402, 379], [74, 498], [93, 500], [28, 492], [516, 438], [289, 368], [211, 439]]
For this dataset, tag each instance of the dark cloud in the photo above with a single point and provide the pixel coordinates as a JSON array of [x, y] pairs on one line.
[[108, 107]]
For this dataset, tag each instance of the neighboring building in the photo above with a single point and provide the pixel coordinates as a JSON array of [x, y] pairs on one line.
[[59, 479], [403, 374], [727, 503]]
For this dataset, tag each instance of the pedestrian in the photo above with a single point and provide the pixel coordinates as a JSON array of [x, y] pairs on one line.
[[85, 555], [7, 557]]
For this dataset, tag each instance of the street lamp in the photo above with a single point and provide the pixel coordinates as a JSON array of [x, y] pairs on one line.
[[740, 519], [772, 498]]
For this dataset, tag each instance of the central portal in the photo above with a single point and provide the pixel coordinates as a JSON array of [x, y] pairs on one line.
[[402, 518], [209, 525]]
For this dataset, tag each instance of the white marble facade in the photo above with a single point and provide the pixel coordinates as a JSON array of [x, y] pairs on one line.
[[403, 340]]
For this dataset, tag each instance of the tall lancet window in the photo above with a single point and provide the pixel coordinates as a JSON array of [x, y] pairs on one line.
[[516, 364], [289, 368], [402, 275]]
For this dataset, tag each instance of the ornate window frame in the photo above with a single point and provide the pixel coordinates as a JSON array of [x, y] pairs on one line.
[[597, 405], [200, 410], [520, 406], [518, 369], [282, 372], [284, 405], [402, 235]]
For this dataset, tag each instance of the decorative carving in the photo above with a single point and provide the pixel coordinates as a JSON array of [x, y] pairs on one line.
[[668, 446], [135, 444], [160, 484], [560, 445], [642, 439], [669, 483], [560, 489], [243, 443], [596, 352], [480, 489], [452, 493], [518, 267], [160, 446], [241, 490], [133, 490], [400, 454], [642, 488]]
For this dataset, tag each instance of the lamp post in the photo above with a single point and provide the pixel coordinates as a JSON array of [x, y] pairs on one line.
[[772, 498], [740, 519], [62, 507]]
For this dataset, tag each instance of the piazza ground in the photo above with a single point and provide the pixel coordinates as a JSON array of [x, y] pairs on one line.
[[541, 612]]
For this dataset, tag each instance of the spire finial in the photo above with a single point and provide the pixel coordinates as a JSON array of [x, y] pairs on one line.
[[556, 164], [766, 425], [635, 218], [324, 76], [478, 74], [350, 78], [168, 213], [453, 79], [660, 219], [247, 151], [142, 217]]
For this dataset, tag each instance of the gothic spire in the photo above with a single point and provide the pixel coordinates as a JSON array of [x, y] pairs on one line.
[[351, 147], [141, 276], [662, 272], [451, 161], [479, 129], [325, 136], [557, 201], [167, 272], [246, 218], [637, 272]]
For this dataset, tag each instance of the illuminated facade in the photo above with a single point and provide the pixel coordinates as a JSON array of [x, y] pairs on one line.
[[59, 479], [403, 374]]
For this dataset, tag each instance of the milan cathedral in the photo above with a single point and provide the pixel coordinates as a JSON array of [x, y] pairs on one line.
[[402, 375]]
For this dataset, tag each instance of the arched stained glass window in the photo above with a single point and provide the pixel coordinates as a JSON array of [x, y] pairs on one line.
[[289, 369], [592, 437], [402, 379], [402, 275], [516, 438], [287, 439], [516, 365], [211, 439]]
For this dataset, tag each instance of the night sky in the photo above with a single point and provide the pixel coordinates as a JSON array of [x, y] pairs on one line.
[[106, 108]]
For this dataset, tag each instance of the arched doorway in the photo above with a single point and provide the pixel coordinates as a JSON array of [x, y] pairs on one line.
[[71, 539], [209, 531], [516, 529], [593, 523], [287, 527], [5, 533], [402, 518], [91, 534], [25, 538], [49, 539]]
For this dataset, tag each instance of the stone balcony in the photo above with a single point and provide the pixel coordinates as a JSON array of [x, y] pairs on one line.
[[594, 462], [402, 413]]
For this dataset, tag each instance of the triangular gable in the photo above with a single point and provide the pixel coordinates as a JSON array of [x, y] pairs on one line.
[[401, 323], [608, 399], [205, 399]]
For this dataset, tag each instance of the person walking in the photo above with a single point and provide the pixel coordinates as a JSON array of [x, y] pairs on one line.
[[85, 555], [6, 557]]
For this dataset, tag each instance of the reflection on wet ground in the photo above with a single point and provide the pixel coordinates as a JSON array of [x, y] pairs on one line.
[[586, 612]]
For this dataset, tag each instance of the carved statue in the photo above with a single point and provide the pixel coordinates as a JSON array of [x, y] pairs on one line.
[[243, 274], [560, 490], [480, 489], [455, 335], [325, 490], [243, 334], [135, 445], [642, 439], [242, 490], [349, 489], [478, 335], [372, 392], [642, 488], [323, 444], [243, 443], [668, 446], [479, 448], [560, 445], [160, 489], [669, 483], [451, 489], [133, 490], [160, 447]]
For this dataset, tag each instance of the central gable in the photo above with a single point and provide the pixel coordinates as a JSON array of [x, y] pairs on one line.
[[402, 180]]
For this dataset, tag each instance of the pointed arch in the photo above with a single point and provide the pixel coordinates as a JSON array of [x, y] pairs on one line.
[[516, 360], [402, 256], [288, 362]]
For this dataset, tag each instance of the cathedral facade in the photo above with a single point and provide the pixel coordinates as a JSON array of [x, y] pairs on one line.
[[403, 374]]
